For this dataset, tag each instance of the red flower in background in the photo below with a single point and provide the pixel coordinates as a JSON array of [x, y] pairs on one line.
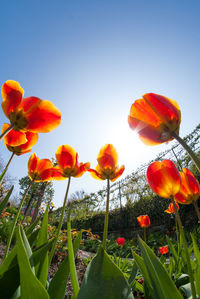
[[144, 221], [28, 114], [155, 118], [170, 209], [164, 178], [190, 189], [120, 241], [68, 165], [164, 249], [107, 164], [39, 170], [19, 142]]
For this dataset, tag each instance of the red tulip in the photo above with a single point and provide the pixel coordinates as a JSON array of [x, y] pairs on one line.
[[120, 241], [164, 249], [68, 165], [39, 170], [107, 164], [28, 114], [190, 189], [155, 118], [19, 142], [144, 221], [164, 178], [170, 209]]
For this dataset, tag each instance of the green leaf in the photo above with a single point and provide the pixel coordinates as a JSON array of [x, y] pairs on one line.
[[9, 261], [32, 237], [42, 268], [9, 270], [172, 250], [9, 281], [30, 229], [133, 273], [141, 265], [103, 279], [57, 286], [27, 247], [31, 287], [163, 286], [40, 253], [197, 270], [4, 202]]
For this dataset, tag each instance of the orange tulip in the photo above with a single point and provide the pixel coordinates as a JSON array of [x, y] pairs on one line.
[[12, 141], [170, 209], [155, 118], [28, 114], [144, 221], [107, 164], [39, 170], [164, 178], [164, 249], [68, 165], [190, 189]]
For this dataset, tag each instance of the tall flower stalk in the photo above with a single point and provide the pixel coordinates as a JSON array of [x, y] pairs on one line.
[[60, 222], [188, 150], [105, 232], [107, 169], [15, 220], [6, 168], [68, 166], [73, 273], [191, 277]]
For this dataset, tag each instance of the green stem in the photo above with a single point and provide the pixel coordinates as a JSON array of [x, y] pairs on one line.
[[196, 209], [6, 131], [188, 149], [72, 266], [6, 168], [105, 232], [15, 220], [60, 223], [145, 234], [186, 251]]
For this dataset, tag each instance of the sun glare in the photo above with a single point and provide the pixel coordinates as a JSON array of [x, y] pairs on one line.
[[130, 149]]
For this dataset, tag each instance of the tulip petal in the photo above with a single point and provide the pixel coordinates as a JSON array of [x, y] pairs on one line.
[[13, 138], [107, 157], [66, 156], [170, 209], [82, 168], [142, 111], [43, 164], [12, 95], [95, 174], [167, 109], [190, 189], [118, 173], [32, 163], [56, 174], [32, 139], [192, 183], [42, 116], [164, 178]]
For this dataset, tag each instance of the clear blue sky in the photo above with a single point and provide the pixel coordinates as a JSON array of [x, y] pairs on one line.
[[92, 59]]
